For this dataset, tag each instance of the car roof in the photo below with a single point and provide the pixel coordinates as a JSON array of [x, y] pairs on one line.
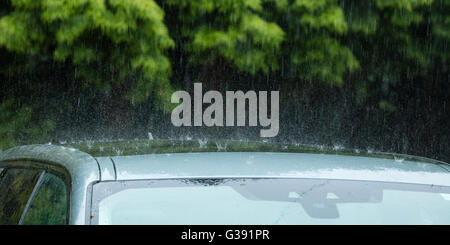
[[271, 165], [86, 169]]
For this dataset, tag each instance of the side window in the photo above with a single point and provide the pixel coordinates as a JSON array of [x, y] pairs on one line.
[[16, 186], [49, 204]]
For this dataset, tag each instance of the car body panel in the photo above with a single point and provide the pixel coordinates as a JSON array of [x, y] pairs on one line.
[[107, 169], [278, 165], [446, 166], [82, 168]]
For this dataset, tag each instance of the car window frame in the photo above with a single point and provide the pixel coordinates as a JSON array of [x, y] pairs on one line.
[[1, 173], [44, 168]]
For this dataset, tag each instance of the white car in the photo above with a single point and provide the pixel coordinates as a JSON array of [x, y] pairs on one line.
[[46, 184]]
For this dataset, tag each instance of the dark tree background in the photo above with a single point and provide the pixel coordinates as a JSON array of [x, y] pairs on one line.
[[360, 74]]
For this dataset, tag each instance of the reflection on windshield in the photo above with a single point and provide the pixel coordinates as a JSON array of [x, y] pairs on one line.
[[269, 201]]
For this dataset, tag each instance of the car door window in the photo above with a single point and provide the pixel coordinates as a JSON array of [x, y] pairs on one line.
[[16, 187], [49, 204]]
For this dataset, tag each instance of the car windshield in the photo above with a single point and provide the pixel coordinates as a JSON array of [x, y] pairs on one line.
[[268, 201]]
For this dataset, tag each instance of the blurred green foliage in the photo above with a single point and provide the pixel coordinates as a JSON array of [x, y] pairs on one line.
[[16, 125], [382, 49], [109, 42], [234, 30]]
